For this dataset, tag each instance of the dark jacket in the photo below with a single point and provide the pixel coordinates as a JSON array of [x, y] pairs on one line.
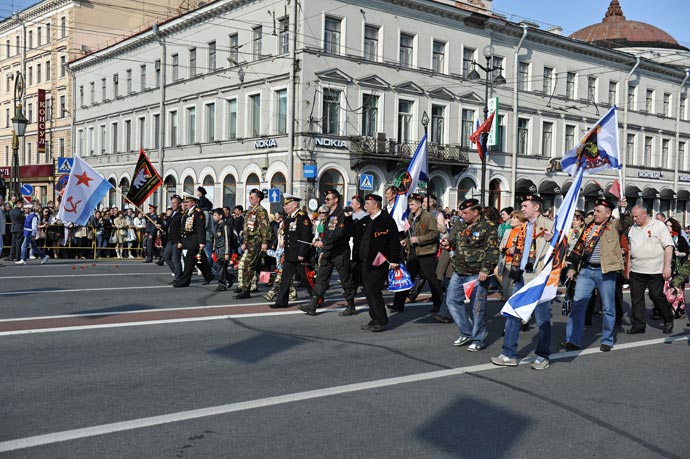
[[205, 204], [295, 229], [379, 235], [223, 239], [193, 227], [17, 220], [336, 238], [151, 226], [175, 227]]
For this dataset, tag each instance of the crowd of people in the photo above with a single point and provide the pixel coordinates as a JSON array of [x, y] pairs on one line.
[[609, 248]]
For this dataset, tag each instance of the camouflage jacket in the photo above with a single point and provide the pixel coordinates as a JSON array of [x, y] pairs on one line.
[[475, 246], [682, 274], [256, 226]]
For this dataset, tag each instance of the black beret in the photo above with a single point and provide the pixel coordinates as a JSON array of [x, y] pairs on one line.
[[202, 190], [605, 203], [373, 197], [469, 204], [533, 198]]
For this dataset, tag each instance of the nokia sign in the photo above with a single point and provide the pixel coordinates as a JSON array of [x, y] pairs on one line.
[[330, 143], [265, 143]]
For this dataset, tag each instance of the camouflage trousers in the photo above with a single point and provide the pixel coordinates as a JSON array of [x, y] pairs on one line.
[[271, 294], [247, 276]]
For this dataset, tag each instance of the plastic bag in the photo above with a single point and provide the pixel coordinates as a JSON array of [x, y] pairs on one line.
[[399, 279]]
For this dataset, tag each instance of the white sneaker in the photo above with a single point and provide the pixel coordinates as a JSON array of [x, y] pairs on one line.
[[20, 262], [45, 260], [474, 347], [540, 363], [130, 256], [462, 341], [31, 257]]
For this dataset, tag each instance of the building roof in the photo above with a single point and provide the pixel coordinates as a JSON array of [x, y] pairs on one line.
[[615, 31]]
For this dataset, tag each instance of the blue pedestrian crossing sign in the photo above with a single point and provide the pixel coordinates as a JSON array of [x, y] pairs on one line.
[[366, 182], [64, 165], [274, 195]]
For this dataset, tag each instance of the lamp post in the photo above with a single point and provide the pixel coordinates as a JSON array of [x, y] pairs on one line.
[[19, 123], [488, 52]]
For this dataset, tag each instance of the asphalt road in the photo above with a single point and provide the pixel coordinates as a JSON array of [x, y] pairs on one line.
[[110, 361]]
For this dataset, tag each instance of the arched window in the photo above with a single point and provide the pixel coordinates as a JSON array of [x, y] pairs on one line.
[[209, 185], [331, 179], [495, 193], [229, 191], [466, 189], [188, 186], [170, 187], [278, 181], [252, 182], [438, 189], [124, 188]]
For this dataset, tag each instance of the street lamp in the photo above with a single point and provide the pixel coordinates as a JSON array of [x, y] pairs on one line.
[[19, 123], [488, 52]]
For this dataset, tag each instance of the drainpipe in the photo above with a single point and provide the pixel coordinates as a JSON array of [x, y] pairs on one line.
[[513, 164], [677, 161], [292, 103], [161, 116], [624, 160]]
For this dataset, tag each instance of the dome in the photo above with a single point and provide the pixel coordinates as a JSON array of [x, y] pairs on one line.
[[617, 32]]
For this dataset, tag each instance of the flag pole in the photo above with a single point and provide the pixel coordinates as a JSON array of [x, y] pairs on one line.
[[425, 123], [135, 206]]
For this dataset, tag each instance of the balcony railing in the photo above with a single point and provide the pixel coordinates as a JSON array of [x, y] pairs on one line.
[[391, 149]]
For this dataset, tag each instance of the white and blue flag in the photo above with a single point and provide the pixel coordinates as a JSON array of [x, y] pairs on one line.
[[85, 189], [598, 149], [416, 172]]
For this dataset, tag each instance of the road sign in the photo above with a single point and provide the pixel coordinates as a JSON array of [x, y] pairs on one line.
[[65, 165], [61, 182], [366, 182], [274, 195], [310, 171], [27, 190]]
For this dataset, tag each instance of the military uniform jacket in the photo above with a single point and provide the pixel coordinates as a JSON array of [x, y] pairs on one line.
[[336, 234], [379, 235], [256, 226], [476, 247], [17, 220], [151, 227], [296, 228], [425, 229], [193, 227], [222, 239]]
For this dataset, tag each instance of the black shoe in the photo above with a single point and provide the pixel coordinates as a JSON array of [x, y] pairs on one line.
[[238, 290], [254, 290], [678, 314], [443, 319], [655, 315], [635, 331], [172, 282], [306, 309], [160, 263], [242, 295], [668, 328], [349, 311], [368, 326], [180, 285], [221, 288], [146, 261], [278, 306], [605, 348], [392, 308], [206, 282], [569, 346], [377, 328]]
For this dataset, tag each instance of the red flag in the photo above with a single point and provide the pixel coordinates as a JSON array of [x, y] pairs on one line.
[[476, 136], [468, 288], [379, 260], [616, 189], [146, 180], [264, 277]]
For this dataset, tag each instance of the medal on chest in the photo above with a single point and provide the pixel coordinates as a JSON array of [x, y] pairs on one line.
[[332, 223]]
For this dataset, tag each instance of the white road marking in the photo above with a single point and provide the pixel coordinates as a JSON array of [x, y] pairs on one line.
[[57, 437], [58, 276], [72, 290]]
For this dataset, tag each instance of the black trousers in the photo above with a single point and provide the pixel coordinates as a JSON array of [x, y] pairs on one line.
[[15, 250], [190, 262], [172, 255], [340, 262], [655, 284], [374, 282], [426, 266], [148, 245], [224, 277], [356, 274], [290, 270]]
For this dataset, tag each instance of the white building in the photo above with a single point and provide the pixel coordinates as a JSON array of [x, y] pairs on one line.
[[209, 96]]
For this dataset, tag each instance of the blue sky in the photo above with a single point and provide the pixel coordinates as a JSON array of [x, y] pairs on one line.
[[574, 15]]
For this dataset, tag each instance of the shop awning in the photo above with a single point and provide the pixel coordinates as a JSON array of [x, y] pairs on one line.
[[683, 195], [631, 191], [650, 193], [592, 190], [667, 193], [525, 186], [549, 187]]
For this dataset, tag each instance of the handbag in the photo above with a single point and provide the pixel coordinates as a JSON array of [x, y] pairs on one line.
[[113, 238]]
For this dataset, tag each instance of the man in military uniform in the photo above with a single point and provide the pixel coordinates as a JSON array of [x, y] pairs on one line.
[[296, 227], [193, 240], [475, 243], [256, 240], [335, 246], [150, 233]]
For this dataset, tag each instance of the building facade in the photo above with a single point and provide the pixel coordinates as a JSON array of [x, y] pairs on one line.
[[231, 97]]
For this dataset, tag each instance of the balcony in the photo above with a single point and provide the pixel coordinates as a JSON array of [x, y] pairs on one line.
[[366, 149]]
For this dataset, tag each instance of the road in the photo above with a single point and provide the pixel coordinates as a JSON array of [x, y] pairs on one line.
[[107, 360]]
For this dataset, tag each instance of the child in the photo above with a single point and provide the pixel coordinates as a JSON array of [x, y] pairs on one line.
[[223, 245]]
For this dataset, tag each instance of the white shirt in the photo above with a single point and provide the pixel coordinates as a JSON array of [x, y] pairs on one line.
[[647, 246]]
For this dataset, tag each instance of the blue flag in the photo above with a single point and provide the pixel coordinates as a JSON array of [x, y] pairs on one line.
[[417, 172], [85, 189], [598, 149]]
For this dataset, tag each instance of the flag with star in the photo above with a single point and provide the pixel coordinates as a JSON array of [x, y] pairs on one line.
[[85, 189], [146, 180]]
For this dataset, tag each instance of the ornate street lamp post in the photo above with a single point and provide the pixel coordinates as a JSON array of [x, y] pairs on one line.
[[19, 123]]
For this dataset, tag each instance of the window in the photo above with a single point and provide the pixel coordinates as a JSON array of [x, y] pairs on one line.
[[191, 125], [257, 37], [48, 32], [61, 147], [114, 134], [49, 109], [667, 104], [175, 67], [156, 131], [142, 133], [128, 78], [523, 76], [437, 124], [192, 62], [31, 39], [683, 103], [664, 154], [284, 35], [30, 76], [406, 49], [281, 99], [7, 117], [142, 78], [331, 112], [331, 35], [570, 85], [232, 119], [229, 191], [63, 66], [649, 101], [39, 35], [157, 73], [371, 43], [405, 120], [467, 60], [255, 106], [38, 73], [104, 94], [116, 86], [523, 136], [648, 142], [128, 135], [569, 137], [63, 27], [234, 49], [681, 156], [91, 139], [497, 63], [7, 48], [210, 122], [30, 112], [613, 92], [547, 139], [211, 56], [438, 60], [370, 112], [631, 97], [173, 128], [63, 106], [103, 138], [17, 45], [467, 127], [592, 89], [81, 96], [48, 76], [630, 149]]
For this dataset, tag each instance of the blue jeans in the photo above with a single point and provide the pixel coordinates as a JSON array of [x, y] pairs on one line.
[[542, 315], [30, 243], [589, 279], [475, 327]]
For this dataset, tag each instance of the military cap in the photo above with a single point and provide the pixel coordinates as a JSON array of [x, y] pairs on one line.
[[469, 204], [415, 196], [153, 205], [605, 203], [287, 198], [373, 197], [533, 197], [189, 197]]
